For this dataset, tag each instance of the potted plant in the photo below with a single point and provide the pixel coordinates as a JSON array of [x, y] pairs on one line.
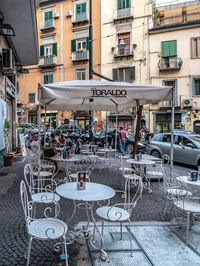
[[8, 157]]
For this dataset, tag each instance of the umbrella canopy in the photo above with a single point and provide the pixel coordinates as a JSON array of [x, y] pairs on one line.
[[98, 95]]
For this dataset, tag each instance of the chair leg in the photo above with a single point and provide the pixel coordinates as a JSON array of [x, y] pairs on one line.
[[165, 207], [65, 248], [29, 251], [102, 227], [187, 228], [131, 244]]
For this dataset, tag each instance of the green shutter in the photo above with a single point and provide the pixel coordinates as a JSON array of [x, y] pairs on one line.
[[50, 78], [48, 15], [173, 48], [55, 49], [78, 9], [132, 74], [165, 49], [41, 50], [193, 88], [73, 46], [119, 4], [84, 8], [87, 43]]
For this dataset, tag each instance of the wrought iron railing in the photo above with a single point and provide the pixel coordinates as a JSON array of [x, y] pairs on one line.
[[80, 17], [170, 63], [80, 55], [123, 13], [47, 24], [123, 50], [48, 60]]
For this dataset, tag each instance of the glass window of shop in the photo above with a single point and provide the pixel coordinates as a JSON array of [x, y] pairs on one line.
[[163, 123]]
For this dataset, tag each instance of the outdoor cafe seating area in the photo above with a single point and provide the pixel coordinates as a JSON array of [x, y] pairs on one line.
[[43, 187]]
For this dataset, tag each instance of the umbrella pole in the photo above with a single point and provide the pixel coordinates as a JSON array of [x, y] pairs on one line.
[[106, 129], [139, 117], [116, 122], [39, 129], [45, 123], [172, 132]]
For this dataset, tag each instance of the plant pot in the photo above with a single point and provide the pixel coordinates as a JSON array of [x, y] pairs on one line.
[[19, 150], [8, 159]]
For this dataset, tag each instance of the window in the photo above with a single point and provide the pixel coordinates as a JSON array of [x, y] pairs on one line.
[[124, 74], [195, 47], [169, 48], [196, 86], [80, 44], [48, 78], [48, 15], [81, 74], [48, 50], [171, 83], [81, 11], [167, 138], [124, 43], [31, 97], [184, 17], [121, 4]]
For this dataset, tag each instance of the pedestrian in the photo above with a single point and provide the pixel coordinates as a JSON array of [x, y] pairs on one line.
[[61, 140], [122, 139]]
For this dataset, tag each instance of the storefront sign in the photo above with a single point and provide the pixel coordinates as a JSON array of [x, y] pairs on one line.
[[108, 93], [10, 88], [2, 122]]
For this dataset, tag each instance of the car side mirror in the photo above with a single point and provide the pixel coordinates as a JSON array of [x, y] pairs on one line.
[[191, 145]]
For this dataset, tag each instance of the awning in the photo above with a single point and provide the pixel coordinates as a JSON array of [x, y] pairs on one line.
[[22, 17], [98, 95]]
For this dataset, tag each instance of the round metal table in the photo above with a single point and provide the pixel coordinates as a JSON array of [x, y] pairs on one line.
[[185, 180], [93, 193]]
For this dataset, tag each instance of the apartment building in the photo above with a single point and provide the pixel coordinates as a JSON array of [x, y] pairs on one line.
[[63, 36], [174, 52], [16, 51], [124, 47]]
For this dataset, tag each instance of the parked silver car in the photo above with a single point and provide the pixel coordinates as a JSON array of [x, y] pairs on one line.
[[186, 147]]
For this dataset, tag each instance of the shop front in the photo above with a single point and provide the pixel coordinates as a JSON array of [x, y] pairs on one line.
[[51, 119], [162, 122], [81, 119]]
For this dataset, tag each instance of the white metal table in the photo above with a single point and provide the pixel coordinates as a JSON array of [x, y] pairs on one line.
[[94, 192], [141, 167], [185, 180]]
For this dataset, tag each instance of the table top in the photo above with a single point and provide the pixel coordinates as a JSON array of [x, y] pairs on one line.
[[107, 150], [150, 157], [88, 145], [93, 192], [142, 161], [185, 179], [59, 158]]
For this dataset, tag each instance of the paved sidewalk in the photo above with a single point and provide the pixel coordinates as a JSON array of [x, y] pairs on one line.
[[13, 237]]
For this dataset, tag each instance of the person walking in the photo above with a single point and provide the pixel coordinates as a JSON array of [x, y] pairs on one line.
[[122, 139]]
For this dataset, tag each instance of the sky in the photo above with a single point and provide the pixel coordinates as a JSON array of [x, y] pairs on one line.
[[168, 2]]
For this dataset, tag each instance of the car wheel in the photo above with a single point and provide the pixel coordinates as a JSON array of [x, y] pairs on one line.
[[156, 154], [129, 149]]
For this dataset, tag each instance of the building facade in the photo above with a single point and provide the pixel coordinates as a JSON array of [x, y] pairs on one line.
[[63, 35], [14, 55], [124, 46], [175, 61]]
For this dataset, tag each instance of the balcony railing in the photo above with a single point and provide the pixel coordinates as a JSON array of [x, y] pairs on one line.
[[77, 18], [80, 55], [170, 63], [123, 13], [123, 50], [47, 61], [47, 24]]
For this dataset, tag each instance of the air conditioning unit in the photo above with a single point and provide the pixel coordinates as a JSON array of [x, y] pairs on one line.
[[188, 102], [69, 13], [7, 63], [56, 15]]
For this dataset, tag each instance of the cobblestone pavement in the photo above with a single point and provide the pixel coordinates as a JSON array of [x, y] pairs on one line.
[[13, 237]]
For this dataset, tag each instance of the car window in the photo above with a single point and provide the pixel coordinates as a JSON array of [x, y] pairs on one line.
[[195, 138], [158, 138], [167, 138]]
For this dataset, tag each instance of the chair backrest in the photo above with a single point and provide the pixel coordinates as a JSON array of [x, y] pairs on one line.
[[27, 206], [28, 176]]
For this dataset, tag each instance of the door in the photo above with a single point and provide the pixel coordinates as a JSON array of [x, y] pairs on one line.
[[184, 152], [48, 50], [197, 126]]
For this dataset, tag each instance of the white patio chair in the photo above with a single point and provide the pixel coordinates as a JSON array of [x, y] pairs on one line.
[[121, 212], [45, 169], [42, 190], [44, 228], [173, 188], [155, 172]]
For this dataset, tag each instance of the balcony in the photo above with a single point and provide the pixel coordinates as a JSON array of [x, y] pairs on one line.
[[80, 56], [170, 63], [123, 51], [80, 19], [123, 15], [47, 25], [48, 61]]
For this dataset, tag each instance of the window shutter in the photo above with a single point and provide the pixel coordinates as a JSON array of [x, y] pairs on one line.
[[78, 9], [84, 8], [173, 48], [165, 49], [128, 3], [87, 43], [73, 46], [115, 73], [50, 14], [41, 50], [55, 49], [119, 4], [132, 74], [46, 16], [50, 78], [193, 88]]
